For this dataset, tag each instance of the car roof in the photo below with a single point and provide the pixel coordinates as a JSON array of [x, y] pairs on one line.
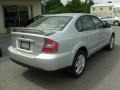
[[67, 14]]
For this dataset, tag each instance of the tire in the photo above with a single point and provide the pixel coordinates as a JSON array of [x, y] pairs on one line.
[[111, 44], [116, 23], [79, 64], [0, 52]]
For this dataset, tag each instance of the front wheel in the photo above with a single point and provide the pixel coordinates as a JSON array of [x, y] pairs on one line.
[[79, 64], [111, 45], [116, 23]]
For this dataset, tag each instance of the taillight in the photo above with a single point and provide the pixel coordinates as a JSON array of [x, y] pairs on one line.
[[50, 46]]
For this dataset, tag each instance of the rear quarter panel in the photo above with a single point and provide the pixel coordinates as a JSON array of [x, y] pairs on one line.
[[70, 43]]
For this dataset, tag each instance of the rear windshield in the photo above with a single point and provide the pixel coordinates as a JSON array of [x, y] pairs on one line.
[[51, 22]]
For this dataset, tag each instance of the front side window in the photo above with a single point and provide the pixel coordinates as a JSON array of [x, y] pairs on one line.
[[97, 22], [51, 22]]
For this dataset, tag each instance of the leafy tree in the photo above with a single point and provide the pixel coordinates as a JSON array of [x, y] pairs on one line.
[[91, 2], [43, 2], [73, 6], [109, 1], [54, 6], [76, 6]]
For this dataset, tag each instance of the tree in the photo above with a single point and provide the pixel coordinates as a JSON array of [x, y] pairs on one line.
[[109, 1], [43, 2], [76, 6], [73, 6], [54, 6], [86, 6], [90, 3]]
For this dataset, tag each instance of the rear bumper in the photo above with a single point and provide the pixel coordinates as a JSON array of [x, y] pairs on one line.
[[43, 61], [22, 64]]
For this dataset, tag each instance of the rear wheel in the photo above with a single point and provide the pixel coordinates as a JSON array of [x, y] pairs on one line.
[[79, 64], [116, 23]]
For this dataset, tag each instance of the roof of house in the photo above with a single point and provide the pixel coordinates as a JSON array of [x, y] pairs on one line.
[[106, 4]]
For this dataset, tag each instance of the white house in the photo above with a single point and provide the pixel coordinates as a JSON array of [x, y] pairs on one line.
[[16, 12], [106, 9]]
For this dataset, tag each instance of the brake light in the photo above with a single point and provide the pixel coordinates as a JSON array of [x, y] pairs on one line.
[[50, 46]]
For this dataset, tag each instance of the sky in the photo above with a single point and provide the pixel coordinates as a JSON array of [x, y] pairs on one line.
[[96, 1]]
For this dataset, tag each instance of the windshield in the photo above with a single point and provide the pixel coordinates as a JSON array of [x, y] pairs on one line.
[[51, 22]]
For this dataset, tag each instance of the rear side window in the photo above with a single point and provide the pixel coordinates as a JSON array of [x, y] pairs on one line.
[[85, 23], [97, 22]]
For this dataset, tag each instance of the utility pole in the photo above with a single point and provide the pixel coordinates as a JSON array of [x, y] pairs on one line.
[[43, 2]]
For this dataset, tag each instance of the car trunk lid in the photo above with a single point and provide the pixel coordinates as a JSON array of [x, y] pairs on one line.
[[29, 40]]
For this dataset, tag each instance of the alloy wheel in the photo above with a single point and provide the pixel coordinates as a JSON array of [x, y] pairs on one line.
[[80, 64]]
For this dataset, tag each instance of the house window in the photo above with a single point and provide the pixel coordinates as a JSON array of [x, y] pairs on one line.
[[16, 16], [101, 8], [93, 9], [110, 8]]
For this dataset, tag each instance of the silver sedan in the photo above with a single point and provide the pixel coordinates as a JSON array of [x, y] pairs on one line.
[[60, 41], [113, 20]]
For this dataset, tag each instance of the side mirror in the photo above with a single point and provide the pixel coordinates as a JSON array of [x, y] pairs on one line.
[[106, 25]]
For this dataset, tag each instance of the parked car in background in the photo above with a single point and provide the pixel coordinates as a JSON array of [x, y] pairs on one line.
[[0, 52], [113, 20], [60, 41]]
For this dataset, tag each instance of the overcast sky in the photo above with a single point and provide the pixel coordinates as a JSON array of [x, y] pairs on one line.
[[97, 1]]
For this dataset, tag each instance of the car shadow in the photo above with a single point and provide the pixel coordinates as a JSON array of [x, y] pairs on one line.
[[98, 67]]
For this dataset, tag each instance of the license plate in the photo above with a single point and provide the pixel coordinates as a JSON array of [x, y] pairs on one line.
[[25, 45]]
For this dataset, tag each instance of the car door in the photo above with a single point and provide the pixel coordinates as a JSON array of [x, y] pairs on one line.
[[88, 33], [103, 32]]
